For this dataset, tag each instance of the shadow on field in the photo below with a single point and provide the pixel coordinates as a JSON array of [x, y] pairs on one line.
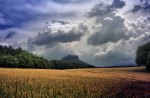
[[137, 89], [142, 71]]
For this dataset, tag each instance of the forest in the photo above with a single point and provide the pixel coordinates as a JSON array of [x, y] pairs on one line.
[[19, 58]]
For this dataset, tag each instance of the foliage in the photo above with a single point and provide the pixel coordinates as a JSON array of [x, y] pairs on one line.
[[18, 58], [10, 57], [142, 57], [148, 61], [9, 61], [60, 64], [8, 50]]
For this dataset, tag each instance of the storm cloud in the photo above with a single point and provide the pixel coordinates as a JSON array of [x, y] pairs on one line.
[[143, 6], [10, 34], [102, 9], [105, 37], [103, 33], [51, 36], [108, 26], [118, 4]]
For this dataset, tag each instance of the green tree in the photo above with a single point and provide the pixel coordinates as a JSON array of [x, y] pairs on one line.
[[8, 61], [142, 55], [25, 60], [10, 57], [148, 61]]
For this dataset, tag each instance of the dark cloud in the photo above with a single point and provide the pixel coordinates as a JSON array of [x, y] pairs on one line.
[[109, 30], [50, 38], [111, 27], [102, 9], [5, 26], [118, 4], [62, 1], [60, 21], [99, 10], [108, 26], [106, 35], [143, 6], [10, 34], [136, 8], [120, 50], [69, 1], [148, 18], [17, 13]]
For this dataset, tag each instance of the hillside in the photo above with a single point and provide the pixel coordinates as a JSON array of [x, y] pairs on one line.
[[126, 82], [71, 58], [69, 62], [61, 64], [74, 59]]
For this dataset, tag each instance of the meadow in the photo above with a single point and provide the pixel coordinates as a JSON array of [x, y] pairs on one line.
[[127, 82]]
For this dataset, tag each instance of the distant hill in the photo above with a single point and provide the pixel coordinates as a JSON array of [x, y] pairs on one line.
[[71, 58], [69, 62], [75, 59]]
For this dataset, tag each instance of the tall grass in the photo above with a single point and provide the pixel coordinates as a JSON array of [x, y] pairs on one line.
[[93, 83]]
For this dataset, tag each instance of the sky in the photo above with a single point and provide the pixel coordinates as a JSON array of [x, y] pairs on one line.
[[100, 32]]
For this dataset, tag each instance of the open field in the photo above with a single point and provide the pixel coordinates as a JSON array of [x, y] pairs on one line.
[[129, 82]]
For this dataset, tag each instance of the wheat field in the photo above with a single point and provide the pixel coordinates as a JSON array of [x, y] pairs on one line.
[[129, 82]]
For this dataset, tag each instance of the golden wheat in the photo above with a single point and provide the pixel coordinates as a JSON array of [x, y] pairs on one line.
[[77, 83]]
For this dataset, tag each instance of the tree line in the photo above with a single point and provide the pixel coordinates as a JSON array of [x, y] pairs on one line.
[[18, 58], [61, 64]]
